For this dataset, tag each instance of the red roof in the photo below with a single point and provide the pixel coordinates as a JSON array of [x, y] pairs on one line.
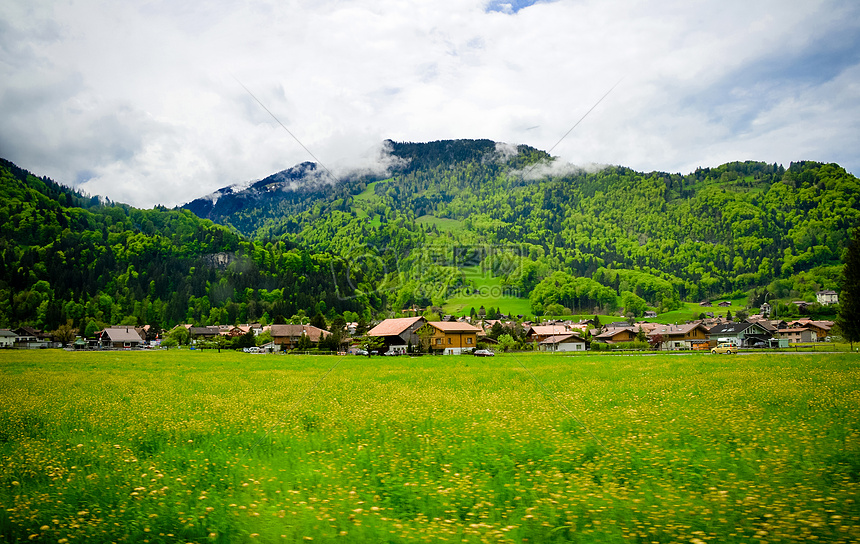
[[393, 327]]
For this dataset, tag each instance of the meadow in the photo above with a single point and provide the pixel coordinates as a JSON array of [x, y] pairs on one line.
[[188, 446]]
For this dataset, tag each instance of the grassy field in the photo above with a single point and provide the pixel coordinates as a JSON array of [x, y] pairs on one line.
[[185, 446]]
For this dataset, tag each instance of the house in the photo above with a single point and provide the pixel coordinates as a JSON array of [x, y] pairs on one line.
[[288, 336], [801, 304], [120, 338], [563, 342], [705, 303], [827, 297], [797, 335], [451, 338], [539, 333], [724, 304], [31, 338], [650, 313], [203, 333], [7, 338], [616, 334], [820, 328], [743, 334], [399, 333], [686, 336]]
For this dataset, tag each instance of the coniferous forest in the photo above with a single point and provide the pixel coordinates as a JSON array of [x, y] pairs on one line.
[[447, 216]]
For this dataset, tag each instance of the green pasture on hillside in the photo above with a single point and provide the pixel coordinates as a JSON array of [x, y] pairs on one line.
[[189, 446]]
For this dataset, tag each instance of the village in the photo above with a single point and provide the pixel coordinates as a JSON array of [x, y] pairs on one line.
[[415, 334]]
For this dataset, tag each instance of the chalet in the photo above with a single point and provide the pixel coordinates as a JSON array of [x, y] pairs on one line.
[[686, 336], [650, 313], [451, 338], [288, 336], [724, 304], [705, 303], [820, 328], [31, 338], [563, 342], [398, 334], [7, 338], [743, 334], [826, 298], [120, 338], [797, 335], [801, 304], [617, 334]]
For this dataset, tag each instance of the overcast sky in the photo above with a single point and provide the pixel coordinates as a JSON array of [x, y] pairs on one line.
[[142, 101]]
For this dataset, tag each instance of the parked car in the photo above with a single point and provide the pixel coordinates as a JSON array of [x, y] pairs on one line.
[[483, 353], [361, 352], [759, 344], [725, 348]]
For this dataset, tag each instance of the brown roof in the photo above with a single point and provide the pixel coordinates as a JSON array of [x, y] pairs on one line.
[[393, 327], [454, 326], [678, 329], [548, 330], [295, 331]]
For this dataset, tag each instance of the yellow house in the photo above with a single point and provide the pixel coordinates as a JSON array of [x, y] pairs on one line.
[[452, 337]]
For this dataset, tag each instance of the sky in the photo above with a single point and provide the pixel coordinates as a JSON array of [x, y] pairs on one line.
[[159, 102]]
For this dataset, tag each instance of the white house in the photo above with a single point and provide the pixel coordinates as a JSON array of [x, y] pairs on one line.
[[563, 342], [7, 338], [827, 297]]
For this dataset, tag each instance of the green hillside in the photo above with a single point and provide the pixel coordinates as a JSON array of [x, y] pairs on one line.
[[744, 227], [457, 225]]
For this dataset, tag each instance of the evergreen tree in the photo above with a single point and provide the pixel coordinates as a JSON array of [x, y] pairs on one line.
[[849, 297]]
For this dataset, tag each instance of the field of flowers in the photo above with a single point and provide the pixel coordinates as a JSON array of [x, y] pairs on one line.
[[205, 447]]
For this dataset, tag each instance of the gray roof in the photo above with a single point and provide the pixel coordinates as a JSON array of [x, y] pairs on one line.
[[8, 333], [124, 334]]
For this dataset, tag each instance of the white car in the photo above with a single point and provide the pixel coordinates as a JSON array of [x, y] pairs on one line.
[[483, 353]]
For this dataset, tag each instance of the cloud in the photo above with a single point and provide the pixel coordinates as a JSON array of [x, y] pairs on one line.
[[139, 100]]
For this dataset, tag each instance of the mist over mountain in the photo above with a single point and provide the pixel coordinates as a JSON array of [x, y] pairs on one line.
[[447, 224]]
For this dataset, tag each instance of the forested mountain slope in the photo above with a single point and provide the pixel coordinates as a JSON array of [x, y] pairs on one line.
[[65, 256], [739, 226]]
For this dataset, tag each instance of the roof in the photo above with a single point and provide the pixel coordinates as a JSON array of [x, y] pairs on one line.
[[7, 332], [202, 331], [124, 334], [562, 338], [393, 327], [733, 328], [548, 330], [678, 329], [453, 326], [295, 331], [609, 333]]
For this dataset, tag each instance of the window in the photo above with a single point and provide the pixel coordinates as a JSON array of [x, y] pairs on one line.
[[468, 340], [438, 340], [449, 341]]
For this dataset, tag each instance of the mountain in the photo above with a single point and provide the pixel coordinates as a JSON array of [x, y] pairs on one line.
[[66, 257], [451, 224], [513, 216]]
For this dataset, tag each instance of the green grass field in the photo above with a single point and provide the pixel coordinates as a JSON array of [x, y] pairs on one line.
[[186, 446]]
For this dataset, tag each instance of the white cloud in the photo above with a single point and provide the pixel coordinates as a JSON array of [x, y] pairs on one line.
[[138, 101]]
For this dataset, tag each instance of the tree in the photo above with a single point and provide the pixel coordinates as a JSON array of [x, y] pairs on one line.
[[180, 334], [372, 343], [169, 342], [65, 333], [425, 333], [728, 315], [304, 343], [507, 342], [318, 321], [640, 335], [849, 297]]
